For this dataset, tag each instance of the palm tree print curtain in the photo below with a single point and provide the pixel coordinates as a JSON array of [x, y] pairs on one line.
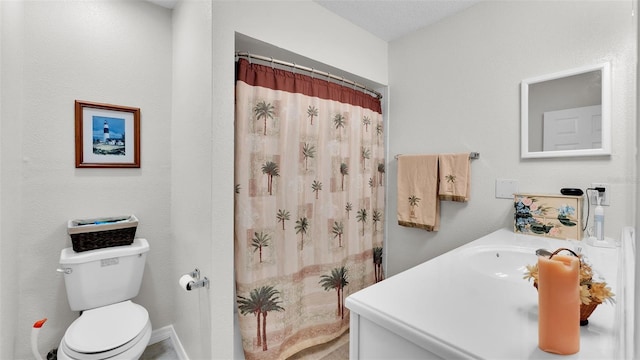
[[309, 174]]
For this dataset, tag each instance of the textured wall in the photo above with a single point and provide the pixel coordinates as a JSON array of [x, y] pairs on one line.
[[455, 87], [191, 175], [111, 52], [121, 52], [10, 153]]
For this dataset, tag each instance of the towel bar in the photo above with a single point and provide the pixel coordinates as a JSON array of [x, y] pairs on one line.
[[473, 155]]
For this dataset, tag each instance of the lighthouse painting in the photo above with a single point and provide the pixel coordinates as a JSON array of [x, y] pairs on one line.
[[109, 136]]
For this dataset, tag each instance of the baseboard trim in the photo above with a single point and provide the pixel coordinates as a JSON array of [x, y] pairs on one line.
[[168, 332]]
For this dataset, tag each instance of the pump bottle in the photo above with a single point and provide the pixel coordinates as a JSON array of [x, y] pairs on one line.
[[598, 219]]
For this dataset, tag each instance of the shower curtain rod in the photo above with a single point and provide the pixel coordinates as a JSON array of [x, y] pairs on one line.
[[307, 69]]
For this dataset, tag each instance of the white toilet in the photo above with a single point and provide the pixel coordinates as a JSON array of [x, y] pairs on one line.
[[100, 283]]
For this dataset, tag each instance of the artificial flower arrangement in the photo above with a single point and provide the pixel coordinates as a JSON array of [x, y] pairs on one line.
[[592, 293]]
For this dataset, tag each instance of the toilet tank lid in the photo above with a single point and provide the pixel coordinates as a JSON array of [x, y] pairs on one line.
[[68, 256]]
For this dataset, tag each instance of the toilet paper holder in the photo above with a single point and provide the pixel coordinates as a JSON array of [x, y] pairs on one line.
[[195, 274], [196, 282]]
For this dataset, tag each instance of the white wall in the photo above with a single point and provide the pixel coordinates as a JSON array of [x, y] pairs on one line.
[[455, 88], [637, 278], [192, 165], [121, 53], [302, 27], [103, 51], [10, 155]]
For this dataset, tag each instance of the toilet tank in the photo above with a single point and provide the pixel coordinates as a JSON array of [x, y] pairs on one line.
[[103, 276]]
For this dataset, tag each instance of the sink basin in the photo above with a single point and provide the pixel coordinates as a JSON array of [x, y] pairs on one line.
[[503, 263]]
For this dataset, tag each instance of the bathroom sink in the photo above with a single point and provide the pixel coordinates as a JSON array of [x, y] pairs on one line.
[[504, 263]]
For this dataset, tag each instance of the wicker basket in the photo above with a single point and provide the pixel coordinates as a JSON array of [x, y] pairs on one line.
[[91, 234], [585, 310]]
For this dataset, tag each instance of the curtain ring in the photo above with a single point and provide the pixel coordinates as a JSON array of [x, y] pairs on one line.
[[272, 62], [294, 68], [313, 73]]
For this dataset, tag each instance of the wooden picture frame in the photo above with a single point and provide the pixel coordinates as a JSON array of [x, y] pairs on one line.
[[107, 136]]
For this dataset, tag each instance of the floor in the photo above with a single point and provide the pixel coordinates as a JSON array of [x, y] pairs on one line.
[[162, 350]]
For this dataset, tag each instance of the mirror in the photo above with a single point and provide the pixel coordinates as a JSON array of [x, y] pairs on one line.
[[567, 113]]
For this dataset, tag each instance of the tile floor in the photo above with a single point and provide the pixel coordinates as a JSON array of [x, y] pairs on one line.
[[162, 350]]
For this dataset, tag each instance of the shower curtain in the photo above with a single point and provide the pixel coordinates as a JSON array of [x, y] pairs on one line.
[[309, 200]]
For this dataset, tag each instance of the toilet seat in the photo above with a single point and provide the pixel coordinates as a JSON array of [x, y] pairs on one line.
[[107, 331]]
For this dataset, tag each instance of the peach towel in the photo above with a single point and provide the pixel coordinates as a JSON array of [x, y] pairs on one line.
[[418, 204], [455, 176]]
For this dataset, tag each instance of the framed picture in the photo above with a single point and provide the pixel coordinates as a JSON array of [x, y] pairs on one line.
[[107, 136]]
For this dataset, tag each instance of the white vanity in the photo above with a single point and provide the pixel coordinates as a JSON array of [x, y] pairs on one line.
[[472, 303]]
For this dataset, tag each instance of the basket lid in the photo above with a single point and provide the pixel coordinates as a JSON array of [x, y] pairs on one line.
[[107, 327], [68, 256]]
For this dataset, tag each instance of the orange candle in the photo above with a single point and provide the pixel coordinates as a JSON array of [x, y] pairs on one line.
[[559, 304]]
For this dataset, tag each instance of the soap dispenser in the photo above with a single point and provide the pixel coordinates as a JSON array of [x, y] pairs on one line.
[[598, 219], [597, 237]]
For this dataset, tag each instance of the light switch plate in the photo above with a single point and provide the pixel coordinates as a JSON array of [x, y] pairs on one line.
[[505, 188]]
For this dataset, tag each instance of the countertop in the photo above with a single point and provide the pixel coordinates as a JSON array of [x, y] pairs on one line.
[[445, 306]]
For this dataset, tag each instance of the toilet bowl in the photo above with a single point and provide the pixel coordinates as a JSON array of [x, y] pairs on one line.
[[101, 283], [118, 331]]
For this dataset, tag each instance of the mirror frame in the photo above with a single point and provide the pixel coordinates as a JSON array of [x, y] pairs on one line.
[[605, 69]]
